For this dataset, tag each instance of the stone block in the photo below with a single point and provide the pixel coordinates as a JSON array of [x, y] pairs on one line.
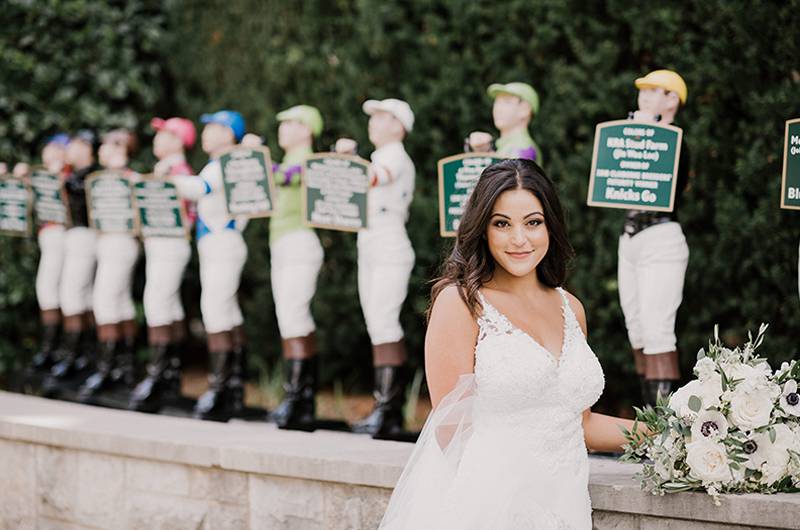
[[18, 471], [158, 511], [278, 503]]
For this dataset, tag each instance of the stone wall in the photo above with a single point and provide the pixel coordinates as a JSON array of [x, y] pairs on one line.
[[69, 467]]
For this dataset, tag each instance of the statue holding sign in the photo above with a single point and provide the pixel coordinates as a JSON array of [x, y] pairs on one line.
[[51, 247], [296, 258], [222, 252], [112, 214], [167, 252], [386, 259], [515, 105], [72, 357], [653, 254]]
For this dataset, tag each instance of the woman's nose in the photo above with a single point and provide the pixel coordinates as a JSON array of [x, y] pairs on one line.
[[517, 236]]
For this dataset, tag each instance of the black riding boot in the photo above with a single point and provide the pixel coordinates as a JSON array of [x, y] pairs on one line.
[[297, 411], [149, 394], [44, 358], [386, 418], [215, 403], [101, 379], [123, 373], [656, 387], [236, 381]]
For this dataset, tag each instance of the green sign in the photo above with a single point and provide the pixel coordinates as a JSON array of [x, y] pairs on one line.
[[247, 175], [790, 188], [110, 202], [458, 176], [335, 191], [15, 207], [49, 199], [160, 209], [635, 165]]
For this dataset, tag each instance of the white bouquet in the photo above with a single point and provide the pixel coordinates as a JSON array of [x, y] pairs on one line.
[[734, 429]]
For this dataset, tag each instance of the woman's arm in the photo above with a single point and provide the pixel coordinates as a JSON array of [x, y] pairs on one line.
[[601, 432], [449, 343]]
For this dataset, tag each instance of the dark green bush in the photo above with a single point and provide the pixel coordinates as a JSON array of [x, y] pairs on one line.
[[738, 58]]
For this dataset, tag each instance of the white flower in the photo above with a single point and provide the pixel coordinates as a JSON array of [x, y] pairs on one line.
[[708, 461], [751, 407], [749, 377], [705, 368], [771, 458], [710, 424], [756, 450], [709, 392], [790, 400]]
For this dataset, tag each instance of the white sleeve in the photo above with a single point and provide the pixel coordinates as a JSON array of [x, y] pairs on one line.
[[195, 187], [386, 166]]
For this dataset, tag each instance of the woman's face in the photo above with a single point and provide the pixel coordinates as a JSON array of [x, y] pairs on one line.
[[517, 235]]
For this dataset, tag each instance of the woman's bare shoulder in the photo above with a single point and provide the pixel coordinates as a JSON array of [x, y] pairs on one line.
[[449, 305]]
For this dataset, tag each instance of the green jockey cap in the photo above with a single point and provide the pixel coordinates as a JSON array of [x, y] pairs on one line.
[[523, 91], [305, 114]]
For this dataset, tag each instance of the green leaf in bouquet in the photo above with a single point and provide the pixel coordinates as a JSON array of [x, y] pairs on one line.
[[772, 434], [735, 466], [695, 403], [724, 379]]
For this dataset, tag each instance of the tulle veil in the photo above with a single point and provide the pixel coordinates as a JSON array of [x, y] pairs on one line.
[[420, 493]]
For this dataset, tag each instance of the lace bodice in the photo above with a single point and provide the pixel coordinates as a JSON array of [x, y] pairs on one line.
[[521, 384]]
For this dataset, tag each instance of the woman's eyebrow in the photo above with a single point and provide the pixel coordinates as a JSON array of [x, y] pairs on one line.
[[533, 213], [501, 215]]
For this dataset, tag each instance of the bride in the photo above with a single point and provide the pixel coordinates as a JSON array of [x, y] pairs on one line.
[[510, 374]]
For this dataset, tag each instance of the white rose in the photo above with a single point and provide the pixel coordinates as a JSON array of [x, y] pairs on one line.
[[709, 392], [710, 424], [751, 407], [748, 377], [705, 368], [776, 466], [790, 400], [708, 461]]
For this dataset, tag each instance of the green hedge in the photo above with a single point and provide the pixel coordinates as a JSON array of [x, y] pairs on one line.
[[739, 60]]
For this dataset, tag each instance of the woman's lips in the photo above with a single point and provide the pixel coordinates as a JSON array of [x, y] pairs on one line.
[[520, 255]]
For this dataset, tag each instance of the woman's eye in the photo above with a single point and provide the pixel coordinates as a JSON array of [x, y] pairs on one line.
[[500, 224], [535, 222]]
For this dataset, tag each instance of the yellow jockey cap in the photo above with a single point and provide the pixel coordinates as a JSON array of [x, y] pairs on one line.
[[666, 79]]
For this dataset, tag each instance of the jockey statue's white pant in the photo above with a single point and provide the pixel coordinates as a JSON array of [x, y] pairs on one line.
[[165, 261], [113, 282], [51, 263], [296, 259], [385, 262], [651, 270], [222, 257], [77, 276]]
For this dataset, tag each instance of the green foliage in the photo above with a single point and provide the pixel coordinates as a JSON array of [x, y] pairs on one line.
[[261, 56], [64, 65]]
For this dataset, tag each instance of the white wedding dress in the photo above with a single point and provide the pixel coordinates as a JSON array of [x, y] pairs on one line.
[[505, 449]]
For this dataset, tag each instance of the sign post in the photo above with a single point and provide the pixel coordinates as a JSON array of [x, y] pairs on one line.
[[109, 200], [160, 211], [49, 198], [335, 189], [15, 207], [247, 176], [790, 185], [458, 175], [634, 166]]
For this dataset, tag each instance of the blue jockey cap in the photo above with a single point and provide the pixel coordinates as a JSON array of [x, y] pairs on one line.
[[228, 118]]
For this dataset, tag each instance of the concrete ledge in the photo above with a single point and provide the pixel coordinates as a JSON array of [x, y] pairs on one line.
[[74, 466]]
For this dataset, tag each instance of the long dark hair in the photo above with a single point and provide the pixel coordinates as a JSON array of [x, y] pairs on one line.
[[470, 264]]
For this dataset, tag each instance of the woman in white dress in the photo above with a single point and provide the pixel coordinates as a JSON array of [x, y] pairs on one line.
[[510, 374]]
